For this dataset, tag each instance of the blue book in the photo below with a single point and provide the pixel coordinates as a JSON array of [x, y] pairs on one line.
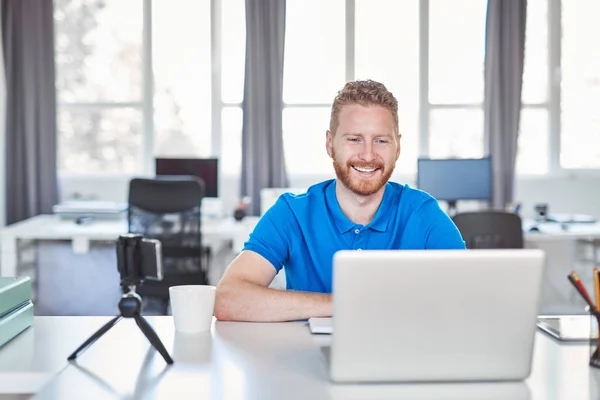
[[15, 322], [14, 291]]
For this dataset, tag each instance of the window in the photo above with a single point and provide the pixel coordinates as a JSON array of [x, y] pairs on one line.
[[430, 54], [580, 85], [181, 62], [560, 128], [314, 70], [534, 129], [314, 67], [382, 40], [126, 93], [232, 63], [455, 82], [99, 85], [456, 51], [398, 29], [136, 79]]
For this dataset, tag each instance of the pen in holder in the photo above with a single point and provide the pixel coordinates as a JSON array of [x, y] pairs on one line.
[[593, 310], [594, 338]]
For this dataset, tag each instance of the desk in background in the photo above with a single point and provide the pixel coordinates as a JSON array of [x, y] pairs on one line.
[[243, 361], [562, 244], [216, 232]]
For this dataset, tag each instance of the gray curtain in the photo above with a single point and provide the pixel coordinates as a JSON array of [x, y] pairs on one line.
[[504, 59], [263, 163], [28, 44]]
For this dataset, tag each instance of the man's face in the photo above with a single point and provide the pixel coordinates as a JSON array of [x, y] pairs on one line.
[[364, 148]]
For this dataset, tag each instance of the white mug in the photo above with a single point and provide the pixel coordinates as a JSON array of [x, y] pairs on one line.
[[192, 307]]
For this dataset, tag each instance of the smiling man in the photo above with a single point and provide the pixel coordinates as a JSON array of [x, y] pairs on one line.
[[359, 210]]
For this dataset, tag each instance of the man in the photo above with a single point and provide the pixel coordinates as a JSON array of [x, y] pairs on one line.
[[359, 210]]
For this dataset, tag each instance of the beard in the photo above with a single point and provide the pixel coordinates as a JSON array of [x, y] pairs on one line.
[[362, 186]]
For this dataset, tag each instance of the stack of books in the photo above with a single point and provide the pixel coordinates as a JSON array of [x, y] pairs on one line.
[[16, 308]]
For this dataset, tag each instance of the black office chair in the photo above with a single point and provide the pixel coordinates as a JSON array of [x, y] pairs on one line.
[[490, 229], [168, 209]]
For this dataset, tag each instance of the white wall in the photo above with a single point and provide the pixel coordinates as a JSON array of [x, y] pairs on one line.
[[568, 194], [564, 194]]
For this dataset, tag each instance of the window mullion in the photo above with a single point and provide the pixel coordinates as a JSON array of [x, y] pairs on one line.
[[216, 59], [147, 91], [554, 82], [424, 78], [350, 39]]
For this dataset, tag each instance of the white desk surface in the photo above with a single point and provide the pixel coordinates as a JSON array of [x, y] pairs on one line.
[[38, 354], [245, 361], [551, 231], [50, 227]]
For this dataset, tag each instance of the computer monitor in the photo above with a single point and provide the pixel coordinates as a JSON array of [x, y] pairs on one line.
[[205, 168], [451, 180]]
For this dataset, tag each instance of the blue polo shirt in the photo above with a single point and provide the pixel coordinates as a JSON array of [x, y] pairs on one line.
[[303, 232]]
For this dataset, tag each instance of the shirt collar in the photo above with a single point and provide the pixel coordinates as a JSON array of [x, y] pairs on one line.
[[343, 224], [382, 216]]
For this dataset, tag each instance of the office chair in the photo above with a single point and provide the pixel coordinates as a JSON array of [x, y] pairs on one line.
[[168, 209], [490, 229]]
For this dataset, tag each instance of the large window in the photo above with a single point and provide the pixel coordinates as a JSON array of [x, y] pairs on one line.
[[580, 85], [99, 81], [314, 70], [560, 126], [455, 82], [181, 62], [533, 144], [142, 78], [429, 54]]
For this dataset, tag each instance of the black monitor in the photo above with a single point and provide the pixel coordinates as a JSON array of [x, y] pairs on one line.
[[455, 179], [205, 168]]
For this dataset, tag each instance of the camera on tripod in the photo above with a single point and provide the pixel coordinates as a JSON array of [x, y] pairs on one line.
[[138, 259]]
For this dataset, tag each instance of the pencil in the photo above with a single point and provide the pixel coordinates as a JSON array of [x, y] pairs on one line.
[[583, 292], [596, 277], [597, 288]]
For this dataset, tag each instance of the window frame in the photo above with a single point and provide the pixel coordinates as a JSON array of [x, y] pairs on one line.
[[553, 103], [145, 104], [146, 101]]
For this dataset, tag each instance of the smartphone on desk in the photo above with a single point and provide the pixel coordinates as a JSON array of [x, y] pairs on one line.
[[569, 328]]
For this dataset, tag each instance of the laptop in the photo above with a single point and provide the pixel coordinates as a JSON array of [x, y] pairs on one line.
[[435, 315]]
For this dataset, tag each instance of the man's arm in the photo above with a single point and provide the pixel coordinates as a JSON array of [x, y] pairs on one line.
[[243, 294]]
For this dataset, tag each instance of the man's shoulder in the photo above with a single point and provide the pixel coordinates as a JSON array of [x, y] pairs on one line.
[[299, 199], [409, 197]]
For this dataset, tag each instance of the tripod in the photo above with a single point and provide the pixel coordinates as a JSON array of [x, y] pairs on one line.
[[130, 306]]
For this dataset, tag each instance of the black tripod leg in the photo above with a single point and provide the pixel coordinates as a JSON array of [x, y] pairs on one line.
[[152, 337], [95, 337]]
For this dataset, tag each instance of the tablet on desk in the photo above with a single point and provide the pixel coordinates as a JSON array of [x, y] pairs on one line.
[[571, 328]]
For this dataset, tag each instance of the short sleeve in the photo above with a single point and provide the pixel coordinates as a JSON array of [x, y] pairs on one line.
[[440, 231], [273, 233]]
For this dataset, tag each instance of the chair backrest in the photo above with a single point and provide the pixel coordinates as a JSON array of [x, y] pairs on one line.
[[490, 229], [168, 209]]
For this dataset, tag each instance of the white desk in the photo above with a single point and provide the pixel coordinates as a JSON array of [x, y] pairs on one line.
[[551, 231], [50, 227], [560, 244], [38, 354], [244, 361]]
